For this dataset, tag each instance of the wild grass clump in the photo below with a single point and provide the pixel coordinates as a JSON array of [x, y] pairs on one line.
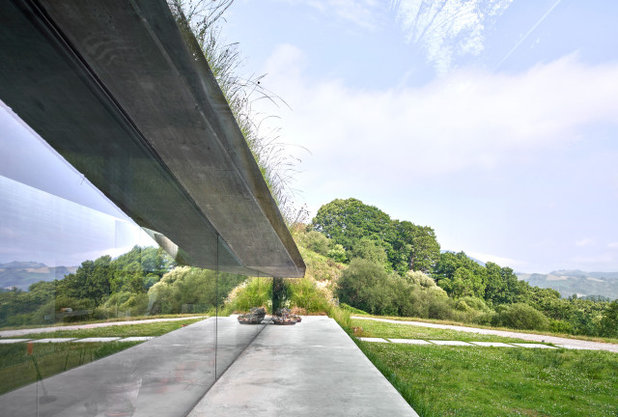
[[254, 292], [305, 294]]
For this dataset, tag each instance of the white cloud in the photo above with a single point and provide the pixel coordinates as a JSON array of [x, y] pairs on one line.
[[500, 260], [467, 119], [448, 28], [584, 242], [613, 245], [364, 13]]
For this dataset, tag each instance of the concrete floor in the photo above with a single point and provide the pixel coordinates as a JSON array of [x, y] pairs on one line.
[[309, 369], [163, 377]]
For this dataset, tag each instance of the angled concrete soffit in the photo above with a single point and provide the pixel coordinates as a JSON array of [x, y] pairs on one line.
[[124, 94]]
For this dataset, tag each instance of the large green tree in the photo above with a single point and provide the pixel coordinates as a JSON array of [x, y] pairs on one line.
[[346, 222], [460, 276], [360, 228]]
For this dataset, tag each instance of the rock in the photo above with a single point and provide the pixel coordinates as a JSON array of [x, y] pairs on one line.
[[255, 316], [284, 317]]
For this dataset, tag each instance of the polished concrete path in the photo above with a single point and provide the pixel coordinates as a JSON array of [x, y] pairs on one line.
[[310, 369], [564, 342]]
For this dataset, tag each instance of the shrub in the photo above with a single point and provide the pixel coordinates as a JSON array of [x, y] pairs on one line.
[[254, 292], [305, 294], [315, 241], [522, 316]]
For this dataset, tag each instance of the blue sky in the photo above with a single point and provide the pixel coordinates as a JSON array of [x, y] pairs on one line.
[[494, 122]]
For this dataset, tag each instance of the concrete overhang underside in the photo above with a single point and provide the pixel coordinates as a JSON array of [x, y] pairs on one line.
[[122, 91]]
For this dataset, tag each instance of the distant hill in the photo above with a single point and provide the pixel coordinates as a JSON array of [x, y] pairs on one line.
[[569, 282], [23, 274]]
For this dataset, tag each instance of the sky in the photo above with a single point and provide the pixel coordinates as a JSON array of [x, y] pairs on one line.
[[493, 121]]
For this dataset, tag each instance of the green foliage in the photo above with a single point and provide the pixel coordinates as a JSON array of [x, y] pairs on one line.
[[367, 232], [254, 292], [348, 221], [460, 276], [609, 322], [522, 316], [305, 294], [367, 286], [370, 250], [337, 253], [190, 290], [352, 310], [417, 246], [314, 241]]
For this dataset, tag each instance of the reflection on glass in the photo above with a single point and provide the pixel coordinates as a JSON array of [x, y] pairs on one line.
[[64, 264]]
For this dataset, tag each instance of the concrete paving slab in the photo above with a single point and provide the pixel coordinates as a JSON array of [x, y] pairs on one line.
[[449, 343], [310, 369], [10, 341], [410, 341], [97, 339], [55, 340], [533, 345], [137, 339], [373, 339], [577, 347], [492, 344]]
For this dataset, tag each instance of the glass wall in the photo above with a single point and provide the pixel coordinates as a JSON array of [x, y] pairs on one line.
[[76, 275]]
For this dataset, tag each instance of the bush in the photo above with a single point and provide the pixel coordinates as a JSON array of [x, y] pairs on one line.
[[522, 316], [305, 294], [560, 326], [315, 241], [254, 292]]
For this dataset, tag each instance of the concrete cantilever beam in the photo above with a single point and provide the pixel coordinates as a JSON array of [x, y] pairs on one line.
[[123, 93]]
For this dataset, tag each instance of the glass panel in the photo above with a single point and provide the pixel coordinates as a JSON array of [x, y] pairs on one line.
[[232, 336], [64, 264]]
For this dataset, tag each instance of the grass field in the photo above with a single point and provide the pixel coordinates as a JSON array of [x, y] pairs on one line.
[[18, 368], [483, 381]]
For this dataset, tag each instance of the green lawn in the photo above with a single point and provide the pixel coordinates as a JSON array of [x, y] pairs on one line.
[[484, 381], [481, 381], [372, 328]]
